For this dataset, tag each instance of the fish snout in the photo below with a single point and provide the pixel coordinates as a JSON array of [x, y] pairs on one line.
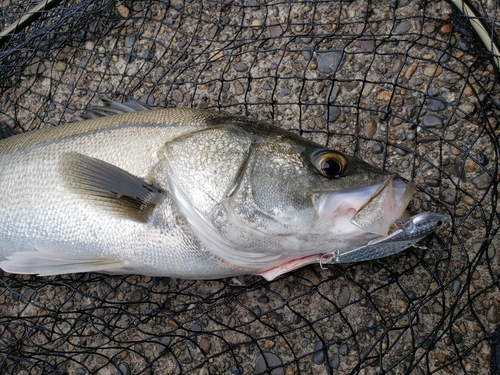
[[385, 206]]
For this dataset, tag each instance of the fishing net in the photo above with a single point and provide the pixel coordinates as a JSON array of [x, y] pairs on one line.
[[404, 85]]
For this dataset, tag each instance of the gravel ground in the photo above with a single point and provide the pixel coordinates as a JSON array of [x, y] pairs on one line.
[[406, 88]]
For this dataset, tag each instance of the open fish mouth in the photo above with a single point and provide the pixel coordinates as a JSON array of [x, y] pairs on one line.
[[373, 209]]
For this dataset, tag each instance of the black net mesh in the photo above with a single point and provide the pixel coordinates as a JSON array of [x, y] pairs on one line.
[[403, 85]]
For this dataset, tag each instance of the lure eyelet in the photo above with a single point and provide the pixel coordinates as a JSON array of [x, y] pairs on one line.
[[329, 164]]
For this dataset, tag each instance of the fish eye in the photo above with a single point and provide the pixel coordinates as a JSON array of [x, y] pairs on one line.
[[329, 164]]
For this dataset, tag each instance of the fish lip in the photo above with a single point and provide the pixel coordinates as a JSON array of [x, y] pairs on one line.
[[385, 206], [371, 210]]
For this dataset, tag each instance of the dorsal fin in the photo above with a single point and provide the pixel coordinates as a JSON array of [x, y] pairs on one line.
[[109, 186], [112, 107]]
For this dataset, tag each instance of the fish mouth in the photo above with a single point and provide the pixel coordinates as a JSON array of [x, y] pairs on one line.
[[373, 209]]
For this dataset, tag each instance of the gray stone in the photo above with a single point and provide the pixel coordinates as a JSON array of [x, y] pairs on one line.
[[205, 345], [238, 88], [482, 181], [332, 93], [431, 121], [240, 67], [367, 44], [319, 354], [335, 361], [344, 295], [177, 96], [377, 148], [236, 370], [463, 44], [333, 114], [129, 41], [397, 64], [307, 54], [266, 361], [426, 342], [331, 62], [123, 369], [285, 92], [402, 27], [456, 286], [185, 356], [435, 105], [343, 350]]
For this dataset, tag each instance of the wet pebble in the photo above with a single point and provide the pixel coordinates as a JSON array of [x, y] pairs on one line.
[[123, 369], [367, 44], [371, 324], [275, 29], [433, 70], [425, 342], [463, 44], [335, 361], [269, 344], [344, 295], [285, 92], [240, 67], [296, 319], [456, 286], [333, 114], [129, 41], [402, 27], [377, 148], [122, 10], [38, 67], [319, 354], [185, 356], [492, 315], [205, 345], [331, 62], [449, 196], [195, 327], [434, 182], [306, 54], [177, 95], [238, 88], [482, 181], [370, 129], [431, 121], [430, 29], [467, 108], [332, 93], [436, 105], [450, 135], [482, 159], [257, 23], [343, 350], [397, 64], [236, 370], [67, 306], [268, 360], [59, 66]]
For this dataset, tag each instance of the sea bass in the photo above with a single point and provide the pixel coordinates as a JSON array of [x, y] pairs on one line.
[[185, 193]]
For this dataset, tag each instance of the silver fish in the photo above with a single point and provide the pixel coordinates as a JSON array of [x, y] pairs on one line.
[[184, 193]]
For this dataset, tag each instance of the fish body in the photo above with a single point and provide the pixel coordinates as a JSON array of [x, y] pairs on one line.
[[184, 193]]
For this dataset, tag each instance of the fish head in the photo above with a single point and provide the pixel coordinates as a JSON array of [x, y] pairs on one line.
[[257, 194]]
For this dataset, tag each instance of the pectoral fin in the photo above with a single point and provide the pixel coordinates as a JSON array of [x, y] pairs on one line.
[[47, 263], [109, 186]]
